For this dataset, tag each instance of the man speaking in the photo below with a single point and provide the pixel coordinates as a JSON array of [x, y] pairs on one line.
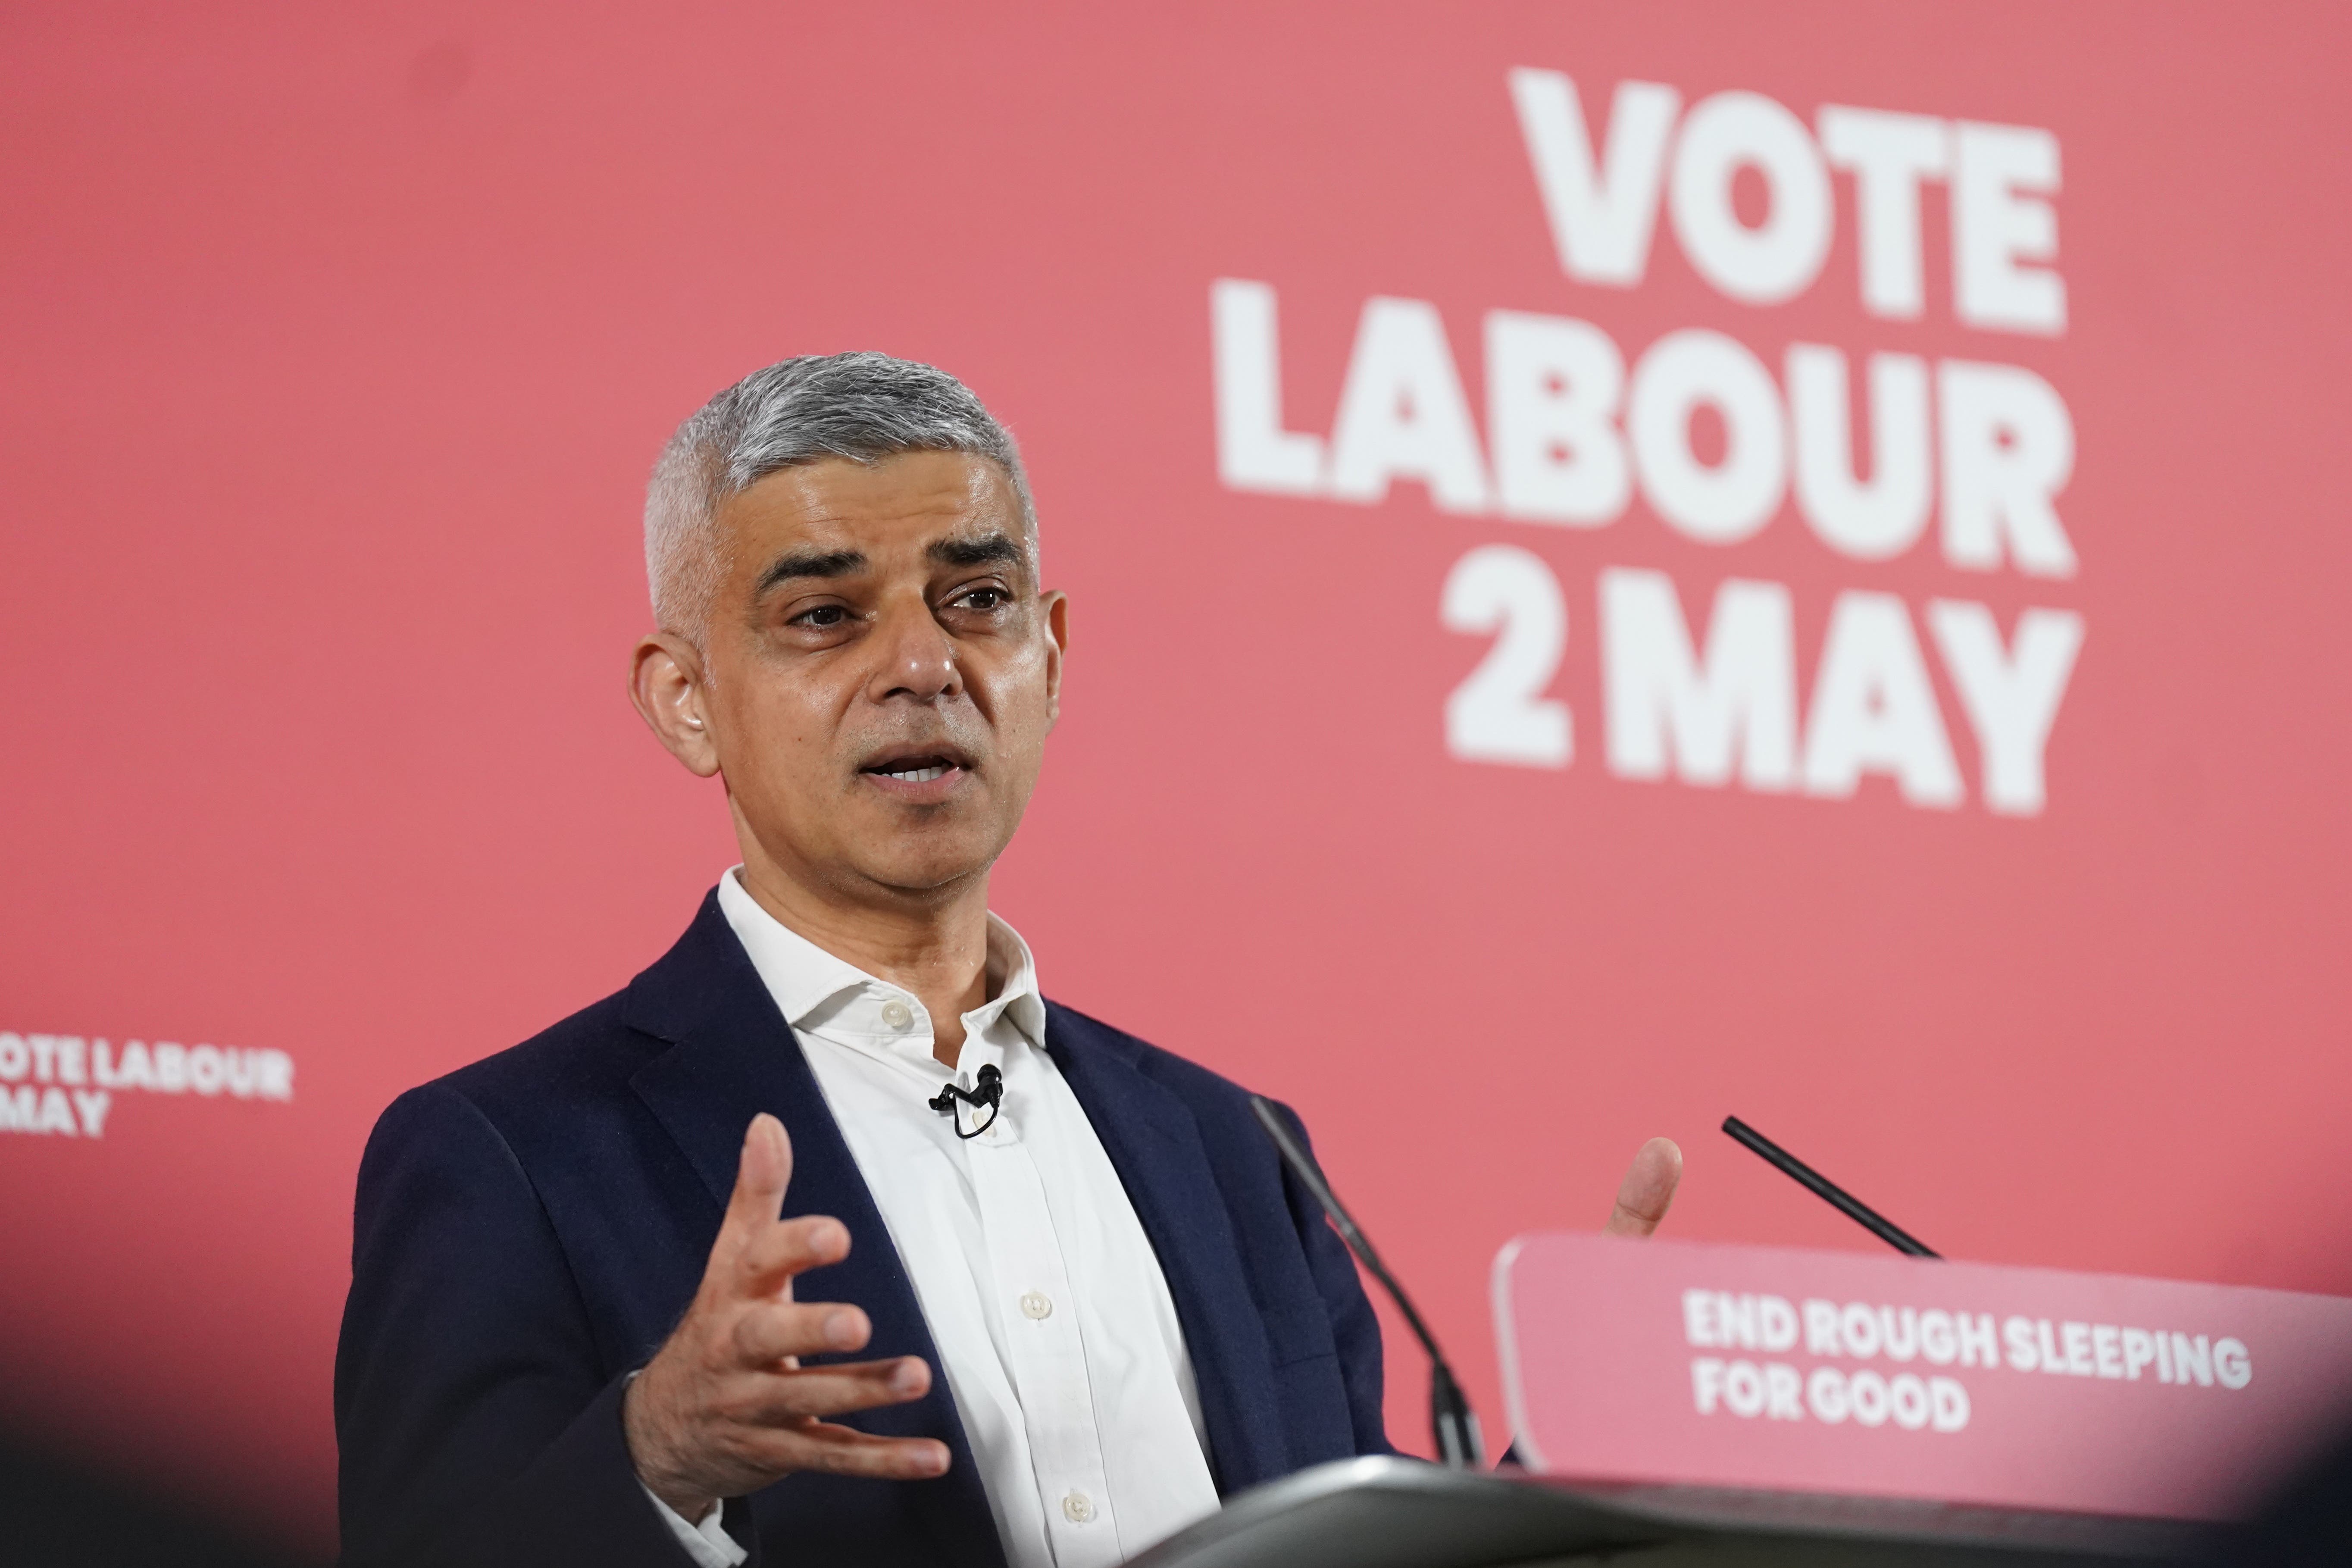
[[829, 1240]]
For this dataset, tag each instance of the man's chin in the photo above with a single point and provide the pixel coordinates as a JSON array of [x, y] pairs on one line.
[[926, 880], [924, 859]]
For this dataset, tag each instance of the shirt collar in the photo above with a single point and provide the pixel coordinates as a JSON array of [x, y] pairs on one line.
[[1017, 999], [804, 978]]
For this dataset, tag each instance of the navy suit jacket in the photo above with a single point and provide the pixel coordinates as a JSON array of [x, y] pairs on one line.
[[530, 1228]]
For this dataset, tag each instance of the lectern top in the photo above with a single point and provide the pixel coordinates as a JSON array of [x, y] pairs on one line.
[[1866, 1375]]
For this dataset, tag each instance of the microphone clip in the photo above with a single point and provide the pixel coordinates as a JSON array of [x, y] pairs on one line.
[[989, 1093]]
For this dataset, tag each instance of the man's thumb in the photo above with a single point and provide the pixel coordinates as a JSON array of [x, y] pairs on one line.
[[765, 1171], [1648, 1190]]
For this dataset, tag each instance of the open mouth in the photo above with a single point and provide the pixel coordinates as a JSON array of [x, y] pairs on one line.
[[913, 771]]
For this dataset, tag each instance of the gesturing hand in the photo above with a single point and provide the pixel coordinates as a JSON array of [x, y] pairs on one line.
[[1648, 1190], [725, 1407]]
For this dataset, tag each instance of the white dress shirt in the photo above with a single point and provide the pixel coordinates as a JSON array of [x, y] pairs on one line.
[[1054, 1323]]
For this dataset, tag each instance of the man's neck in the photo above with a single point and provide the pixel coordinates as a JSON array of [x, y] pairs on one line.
[[937, 950]]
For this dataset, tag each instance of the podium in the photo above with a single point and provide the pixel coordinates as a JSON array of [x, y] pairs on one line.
[[1683, 1405], [1403, 1513], [1687, 1404]]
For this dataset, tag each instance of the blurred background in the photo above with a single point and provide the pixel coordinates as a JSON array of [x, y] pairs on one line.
[[1629, 563]]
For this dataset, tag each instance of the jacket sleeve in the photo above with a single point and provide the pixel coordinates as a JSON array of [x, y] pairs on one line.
[[1355, 1331], [476, 1421]]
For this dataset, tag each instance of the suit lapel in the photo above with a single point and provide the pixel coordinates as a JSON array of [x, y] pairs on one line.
[[1155, 1145], [731, 1056]]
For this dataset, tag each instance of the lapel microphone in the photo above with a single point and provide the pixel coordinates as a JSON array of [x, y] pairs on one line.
[[990, 1093]]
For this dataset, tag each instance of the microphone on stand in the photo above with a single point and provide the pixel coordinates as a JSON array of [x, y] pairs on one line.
[[1451, 1420], [1837, 1197]]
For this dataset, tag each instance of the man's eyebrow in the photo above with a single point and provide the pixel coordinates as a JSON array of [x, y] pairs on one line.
[[979, 552], [809, 564]]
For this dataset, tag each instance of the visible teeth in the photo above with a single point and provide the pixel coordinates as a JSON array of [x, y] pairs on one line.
[[919, 775]]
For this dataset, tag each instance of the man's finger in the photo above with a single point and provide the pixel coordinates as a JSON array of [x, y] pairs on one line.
[[846, 1451], [771, 1331], [762, 1174], [1648, 1190], [766, 1261], [806, 1392]]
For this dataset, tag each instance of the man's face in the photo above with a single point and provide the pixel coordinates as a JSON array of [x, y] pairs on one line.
[[881, 670]]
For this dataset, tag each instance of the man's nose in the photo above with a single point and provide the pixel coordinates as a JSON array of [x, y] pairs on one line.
[[917, 658]]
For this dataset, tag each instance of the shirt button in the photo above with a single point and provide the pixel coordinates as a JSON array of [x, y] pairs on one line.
[[1078, 1508], [1037, 1304], [897, 1013]]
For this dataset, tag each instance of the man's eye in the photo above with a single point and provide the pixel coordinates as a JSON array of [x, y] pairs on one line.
[[822, 616], [983, 598]]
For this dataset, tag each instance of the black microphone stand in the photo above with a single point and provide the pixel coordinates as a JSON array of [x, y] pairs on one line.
[[1452, 1424], [1837, 1197]]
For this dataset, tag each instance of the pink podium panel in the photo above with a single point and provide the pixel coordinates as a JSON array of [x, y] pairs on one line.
[[1832, 1372]]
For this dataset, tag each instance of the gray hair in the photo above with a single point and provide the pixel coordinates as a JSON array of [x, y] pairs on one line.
[[863, 406]]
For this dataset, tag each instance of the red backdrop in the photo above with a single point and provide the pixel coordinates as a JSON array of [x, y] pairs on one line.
[[340, 342]]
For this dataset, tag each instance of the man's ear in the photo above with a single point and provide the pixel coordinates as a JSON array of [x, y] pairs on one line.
[[665, 683], [1057, 639]]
